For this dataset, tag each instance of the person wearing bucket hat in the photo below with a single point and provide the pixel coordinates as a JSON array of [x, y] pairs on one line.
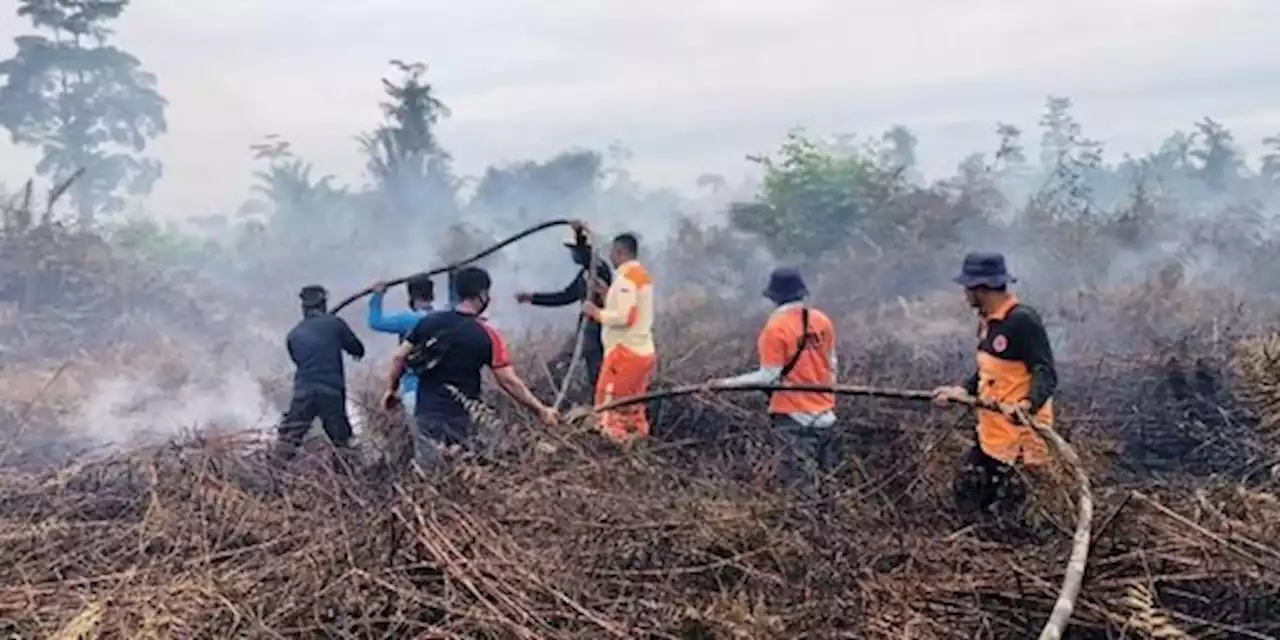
[[796, 346], [579, 245], [316, 345], [1015, 367]]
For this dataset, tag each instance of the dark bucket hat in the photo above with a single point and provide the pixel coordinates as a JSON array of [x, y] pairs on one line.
[[984, 270], [785, 285], [313, 295]]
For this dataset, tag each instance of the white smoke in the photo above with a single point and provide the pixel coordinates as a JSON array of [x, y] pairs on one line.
[[122, 410]]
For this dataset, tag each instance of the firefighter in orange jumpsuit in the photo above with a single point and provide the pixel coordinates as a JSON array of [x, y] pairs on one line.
[[630, 358], [1015, 368]]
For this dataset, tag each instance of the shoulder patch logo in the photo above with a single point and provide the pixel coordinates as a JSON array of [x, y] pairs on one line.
[[999, 344]]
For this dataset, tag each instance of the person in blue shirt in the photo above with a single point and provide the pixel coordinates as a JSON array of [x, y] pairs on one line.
[[421, 302]]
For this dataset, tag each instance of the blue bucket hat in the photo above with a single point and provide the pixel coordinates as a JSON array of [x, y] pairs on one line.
[[785, 285], [984, 270]]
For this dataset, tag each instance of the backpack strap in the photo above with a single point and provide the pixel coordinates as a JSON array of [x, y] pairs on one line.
[[428, 355], [801, 345]]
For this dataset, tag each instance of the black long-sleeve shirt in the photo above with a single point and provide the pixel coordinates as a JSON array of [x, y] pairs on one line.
[[316, 345], [576, 291], [1021, 336]]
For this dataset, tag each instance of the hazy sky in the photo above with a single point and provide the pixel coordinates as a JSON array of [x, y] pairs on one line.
[[690, 86]]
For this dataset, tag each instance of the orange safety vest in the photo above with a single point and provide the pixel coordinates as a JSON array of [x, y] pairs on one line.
[[1006, 381]]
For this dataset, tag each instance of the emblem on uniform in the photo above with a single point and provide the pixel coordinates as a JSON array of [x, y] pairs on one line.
[[999, 344]]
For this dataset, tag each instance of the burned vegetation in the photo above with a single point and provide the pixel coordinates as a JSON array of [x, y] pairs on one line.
[[1169, 394], [1169, 391]]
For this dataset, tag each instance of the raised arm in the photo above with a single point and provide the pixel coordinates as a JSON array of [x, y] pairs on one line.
[[377, 320]]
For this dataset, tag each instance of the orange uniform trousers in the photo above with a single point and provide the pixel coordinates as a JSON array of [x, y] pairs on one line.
[[624, 373]]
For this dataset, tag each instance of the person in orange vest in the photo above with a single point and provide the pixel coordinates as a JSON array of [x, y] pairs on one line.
[[630, 358], [796, 346], [1015, 368]]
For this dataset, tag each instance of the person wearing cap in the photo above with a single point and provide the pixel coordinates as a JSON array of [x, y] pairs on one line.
[[797, 346], [577, 291], [316, 345], [421, 292], [630, 357], [1015, 367], [450, 348]]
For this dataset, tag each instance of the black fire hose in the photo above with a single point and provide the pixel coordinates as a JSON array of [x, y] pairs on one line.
[[589, 278], [1074, 576], [464, 262], [592, 265]]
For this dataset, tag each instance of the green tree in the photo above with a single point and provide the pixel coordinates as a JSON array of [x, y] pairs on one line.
[[899, 151], [86, 104], [1011, 156], [1173, 158], [1220, 164], [900, 146], [1062, 141], [1271, 160], [812, 197], [409, 168], [1071, 161], [287, 190]]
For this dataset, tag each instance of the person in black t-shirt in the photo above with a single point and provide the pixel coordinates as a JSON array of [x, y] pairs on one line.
[[449, 349], [316, 346]]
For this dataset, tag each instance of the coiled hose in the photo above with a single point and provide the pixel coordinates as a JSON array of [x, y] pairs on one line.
[[1079, 557]]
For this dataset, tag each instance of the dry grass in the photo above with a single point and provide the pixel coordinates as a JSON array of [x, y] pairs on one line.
[[551, 534]]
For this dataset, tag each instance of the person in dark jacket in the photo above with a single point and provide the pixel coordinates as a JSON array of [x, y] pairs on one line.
[[316, 346], [576, 291]]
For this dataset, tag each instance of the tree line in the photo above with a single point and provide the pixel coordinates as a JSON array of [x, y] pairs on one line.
[[88, 105]]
